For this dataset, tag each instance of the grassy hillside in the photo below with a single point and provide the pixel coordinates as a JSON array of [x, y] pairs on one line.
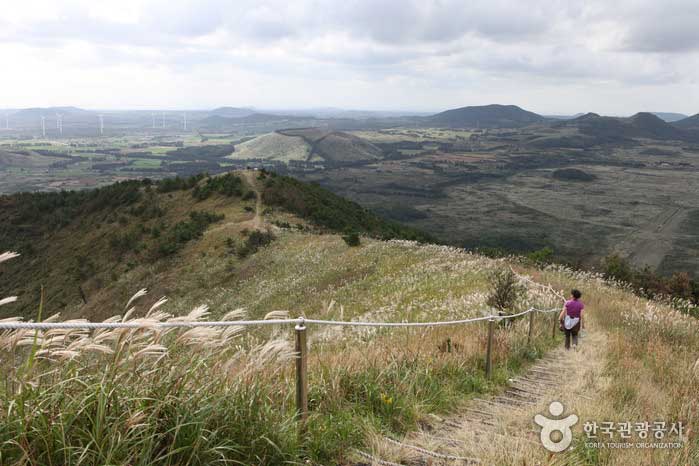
[[308, 145], [87, 248], [336, 146], [203, 397], [215, 396], [273, 146]]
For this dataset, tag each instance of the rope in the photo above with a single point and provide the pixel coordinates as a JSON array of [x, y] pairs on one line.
[[300, 322], [375, 460], [546, 287]]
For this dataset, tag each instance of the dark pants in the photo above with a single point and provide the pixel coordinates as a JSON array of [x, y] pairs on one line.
[[574, 333]]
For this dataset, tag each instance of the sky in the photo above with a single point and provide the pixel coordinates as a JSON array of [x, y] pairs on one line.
[[548, 56]]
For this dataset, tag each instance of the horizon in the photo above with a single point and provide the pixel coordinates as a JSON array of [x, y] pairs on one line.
[[310, 110]]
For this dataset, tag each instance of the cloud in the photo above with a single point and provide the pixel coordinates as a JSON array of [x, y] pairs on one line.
[[361, 46]]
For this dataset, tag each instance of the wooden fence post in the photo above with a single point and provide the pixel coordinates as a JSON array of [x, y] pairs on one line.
[[531, 327], [489, 350], [301, 375]]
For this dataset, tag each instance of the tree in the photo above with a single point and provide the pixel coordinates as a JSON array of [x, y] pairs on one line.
[[505, 290]]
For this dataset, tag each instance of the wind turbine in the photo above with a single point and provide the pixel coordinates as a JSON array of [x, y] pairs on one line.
[[43, 125], [7, 121], [101, 124], [184, 121], [59, 123]]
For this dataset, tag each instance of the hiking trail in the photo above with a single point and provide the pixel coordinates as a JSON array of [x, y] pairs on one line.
[[500, 428]]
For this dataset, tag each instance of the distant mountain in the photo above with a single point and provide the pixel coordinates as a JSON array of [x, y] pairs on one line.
[[264, 117], [669, 116], [613, 129], [563, 117], [335, 113], [222, 122], [688, 123], [486, 116], [38, 112], [231, 112], [651, 126]]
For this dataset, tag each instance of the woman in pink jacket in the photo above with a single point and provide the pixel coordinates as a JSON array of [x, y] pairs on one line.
[[571, 318]]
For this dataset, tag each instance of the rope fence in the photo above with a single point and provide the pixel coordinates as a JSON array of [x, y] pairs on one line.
[[145, 324], [300, 327]]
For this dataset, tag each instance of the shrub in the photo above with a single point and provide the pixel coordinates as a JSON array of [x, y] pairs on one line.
[[255, 241], [617, 268], [505, 290], [178, 184], [186, 231], [541, 256], [228, 185], [121, 243], [352, 239]]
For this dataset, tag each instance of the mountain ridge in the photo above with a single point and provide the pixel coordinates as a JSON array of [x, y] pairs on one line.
[[85, 246]]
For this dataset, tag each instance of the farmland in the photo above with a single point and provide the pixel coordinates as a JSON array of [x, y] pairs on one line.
[[633, 189]]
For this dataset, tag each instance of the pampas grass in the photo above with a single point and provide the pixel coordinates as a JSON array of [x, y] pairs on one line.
[[6, 256], [225, 395], [144, 395]]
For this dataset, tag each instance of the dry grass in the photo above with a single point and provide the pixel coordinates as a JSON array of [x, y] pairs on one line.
[[214, 395], [645, 371], [124, 395]]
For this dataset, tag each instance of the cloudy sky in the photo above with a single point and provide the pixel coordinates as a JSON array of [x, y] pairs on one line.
[[549, 56]]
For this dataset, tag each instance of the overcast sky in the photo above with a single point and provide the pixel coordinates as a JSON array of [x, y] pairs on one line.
[[549, 56]]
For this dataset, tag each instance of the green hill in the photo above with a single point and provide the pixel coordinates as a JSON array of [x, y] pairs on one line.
[[619, 130], [486, 116], [691, 123], [87, 248], [308, 144]]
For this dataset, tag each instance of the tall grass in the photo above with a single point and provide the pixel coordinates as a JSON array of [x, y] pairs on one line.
[[226, 395], [145, 396], [651, 368]]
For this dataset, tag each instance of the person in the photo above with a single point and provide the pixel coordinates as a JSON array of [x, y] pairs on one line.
[[571, 318]]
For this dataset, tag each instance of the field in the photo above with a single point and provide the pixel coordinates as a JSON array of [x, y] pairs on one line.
[[75, 163], [476, 188], [501, 194]]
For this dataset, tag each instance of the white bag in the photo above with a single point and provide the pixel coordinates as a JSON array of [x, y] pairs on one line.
[[570, 322]]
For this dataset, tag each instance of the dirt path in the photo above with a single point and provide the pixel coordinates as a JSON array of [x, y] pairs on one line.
[[499, 429], [256, 222]]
